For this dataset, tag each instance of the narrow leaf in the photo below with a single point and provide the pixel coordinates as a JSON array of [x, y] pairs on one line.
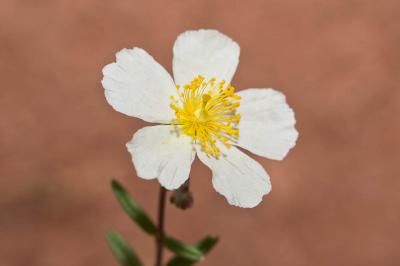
[[121, 250], [132, 209], [204, 245], [182, 249]]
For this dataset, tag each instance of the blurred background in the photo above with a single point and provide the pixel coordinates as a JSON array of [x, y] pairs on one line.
[[335, 198]]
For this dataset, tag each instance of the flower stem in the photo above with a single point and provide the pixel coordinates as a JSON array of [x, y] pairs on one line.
[[160, 235]]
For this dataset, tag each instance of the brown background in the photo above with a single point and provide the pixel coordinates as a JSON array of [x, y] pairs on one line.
[[335, 198]]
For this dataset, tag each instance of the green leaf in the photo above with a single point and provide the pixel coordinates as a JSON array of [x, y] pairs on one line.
[[207, 243], [132, 209], [204, 245], [181, 249], [121, 250]]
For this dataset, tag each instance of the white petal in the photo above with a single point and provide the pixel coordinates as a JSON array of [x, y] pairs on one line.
[[267, 124], [242, 180], [159, 152], [204, 52], [138, 86]]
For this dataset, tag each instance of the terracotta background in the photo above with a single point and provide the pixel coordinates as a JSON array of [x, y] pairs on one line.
[[335, 198]]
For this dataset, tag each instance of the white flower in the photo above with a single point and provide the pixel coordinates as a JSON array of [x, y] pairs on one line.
[[202, 115]]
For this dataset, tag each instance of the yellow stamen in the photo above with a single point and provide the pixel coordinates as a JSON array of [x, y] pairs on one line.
[[206, 111]]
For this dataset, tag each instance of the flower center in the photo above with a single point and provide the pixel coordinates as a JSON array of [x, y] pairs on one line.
[[206, 111]]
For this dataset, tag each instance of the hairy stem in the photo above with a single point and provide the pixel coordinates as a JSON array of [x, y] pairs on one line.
[[160, 235]]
